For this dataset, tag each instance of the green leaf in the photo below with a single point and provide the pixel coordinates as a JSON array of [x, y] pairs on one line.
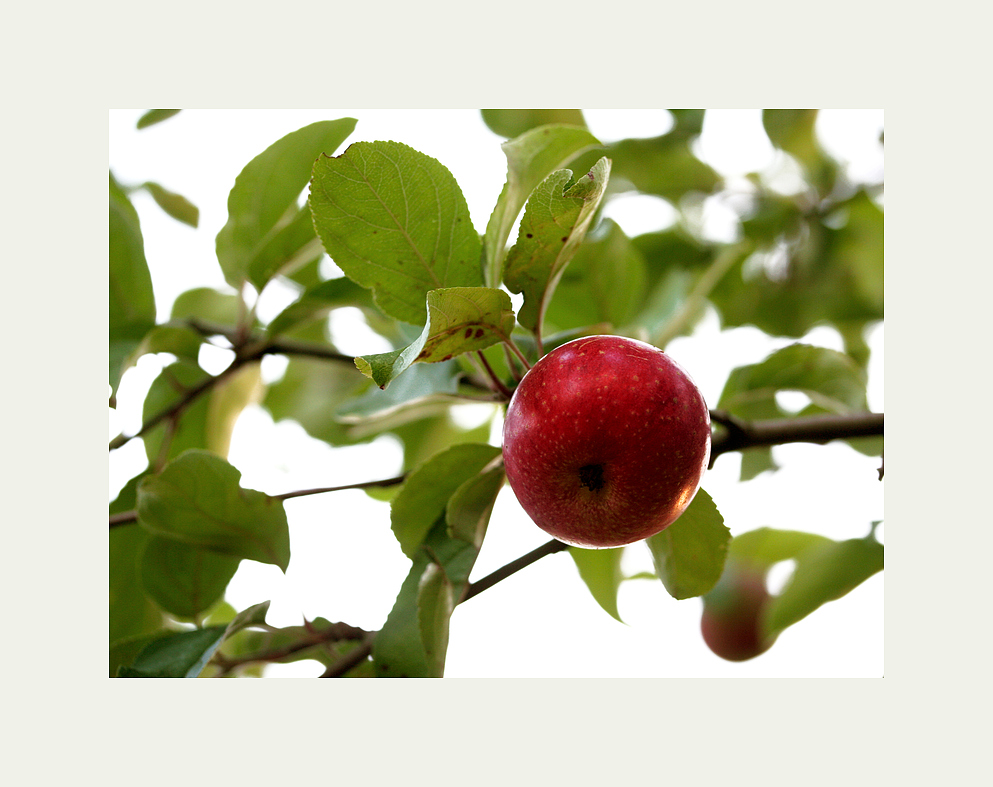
[[153, 116], [228, 399], [395, 221], [531, 158], [832, 380], [176, 205], [318, 301], [131, 612], [794, 130], [555, 222], [468, 510], [514, 122], [435, 605], [409, 643], [664, 166], [766, 546], [824, 572], [184, 580], [266, 229], [689, 554], [426, 492], [460, 320], [206, 303], [124, 651], [132, 302], [190, 431], [606, 282], [179, 340], [182, 655], [600, 569], [197, 499]]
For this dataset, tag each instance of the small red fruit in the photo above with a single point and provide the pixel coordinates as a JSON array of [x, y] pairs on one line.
[[605, 441], [731, 623]]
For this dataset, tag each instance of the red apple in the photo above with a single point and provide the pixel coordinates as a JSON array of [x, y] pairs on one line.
[[732, 614], [605, 441]]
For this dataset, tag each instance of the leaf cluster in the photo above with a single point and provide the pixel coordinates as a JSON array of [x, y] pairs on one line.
[[440, 292]]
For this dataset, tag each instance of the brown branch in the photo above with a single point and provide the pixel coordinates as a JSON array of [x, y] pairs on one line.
[[548, 548], [739, 435], [336, 632], [352, 659], [127, 517]]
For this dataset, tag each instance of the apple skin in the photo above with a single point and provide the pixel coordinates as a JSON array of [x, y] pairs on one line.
[[732, 612], [605, 441]]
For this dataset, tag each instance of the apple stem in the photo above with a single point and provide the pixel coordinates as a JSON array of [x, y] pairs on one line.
[[517, 351], [497, 382]]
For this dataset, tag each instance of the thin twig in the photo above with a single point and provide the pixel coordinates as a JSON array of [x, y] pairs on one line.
[[548, 548]]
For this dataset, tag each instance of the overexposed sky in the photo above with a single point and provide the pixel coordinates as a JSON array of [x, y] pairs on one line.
[[542, 622]]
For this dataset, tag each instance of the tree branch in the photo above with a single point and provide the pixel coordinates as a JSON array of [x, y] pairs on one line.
[[336, 632], [739, 435], [548, 548]]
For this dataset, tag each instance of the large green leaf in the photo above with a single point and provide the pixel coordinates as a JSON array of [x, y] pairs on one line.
[[531, 158], [395, 221], [197, 499], [556, 219], [689, 555], [435, 603], [132, 302], [600, 569], [266, 230], [460, 320], [208, 304], [183, 579], [426, 492]]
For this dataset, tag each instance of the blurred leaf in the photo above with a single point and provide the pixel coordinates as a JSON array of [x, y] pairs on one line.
[[689, 554], [184, 580], [823, 573], [663, 165], [832, 380], [427, 437], [206, 303], [766, 546], [227, 400], [178, 340], [793, 130], [132, 302], [435, 605], [197, 499], [514, 122], [153, 116], [176, 205], [317, 301], [531, 157], [310, 392], [556, 219], [131, 612], [600, 569], [426, 492], [460, 320], [395, 221], [604, 283], [265, 228], [181, 655]]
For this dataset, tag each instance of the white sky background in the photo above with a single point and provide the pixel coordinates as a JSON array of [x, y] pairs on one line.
[[542, 622]]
